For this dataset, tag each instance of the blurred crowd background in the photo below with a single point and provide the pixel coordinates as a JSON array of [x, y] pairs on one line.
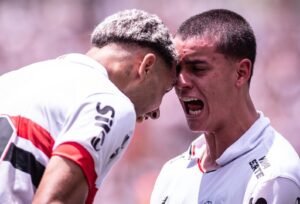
[[34, 30]]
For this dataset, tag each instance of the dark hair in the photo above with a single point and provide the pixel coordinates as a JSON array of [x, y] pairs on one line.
[[235, 37], [137, 27]]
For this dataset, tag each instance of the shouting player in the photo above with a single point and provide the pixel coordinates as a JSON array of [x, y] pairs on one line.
[[240, 157]]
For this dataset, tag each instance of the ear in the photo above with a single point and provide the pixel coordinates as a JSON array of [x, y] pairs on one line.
[[243, 71], [147, 64]]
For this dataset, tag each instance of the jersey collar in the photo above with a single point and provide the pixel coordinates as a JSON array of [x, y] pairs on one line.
[[249, 140], [84, 60]]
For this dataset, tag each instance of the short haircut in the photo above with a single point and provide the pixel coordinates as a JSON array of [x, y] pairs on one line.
[[234, 36], [136, 27]]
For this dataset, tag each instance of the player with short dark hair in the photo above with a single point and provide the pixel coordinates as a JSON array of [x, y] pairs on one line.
[[239, 157]]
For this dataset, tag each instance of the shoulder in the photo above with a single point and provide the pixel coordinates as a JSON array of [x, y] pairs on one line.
[[112, 105], [282, 155], [278, 190], [190, 156], [117, 102], [279, 164], [175, 165]]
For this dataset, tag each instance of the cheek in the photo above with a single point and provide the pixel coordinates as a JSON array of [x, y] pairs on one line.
[[219, 96], [154, 98], [212, 90]]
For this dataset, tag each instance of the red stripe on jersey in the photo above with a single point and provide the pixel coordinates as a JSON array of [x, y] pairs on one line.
[[91, 195], [193, 150], [33, 132], [78, 154], [199, 165]]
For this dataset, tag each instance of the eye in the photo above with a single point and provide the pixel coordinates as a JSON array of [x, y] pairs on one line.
[[196, 69]]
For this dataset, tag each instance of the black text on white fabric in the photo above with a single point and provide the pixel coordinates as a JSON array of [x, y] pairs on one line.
[[259, 165], [165, 200], [117, 151], [256, 168], [104, 118]]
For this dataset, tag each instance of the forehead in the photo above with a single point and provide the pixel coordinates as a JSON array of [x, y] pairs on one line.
[[195, 47], [200, 51], [194, 44]]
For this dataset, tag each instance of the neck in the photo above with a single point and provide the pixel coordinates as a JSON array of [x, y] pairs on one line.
[[219, 140], [113, 58]]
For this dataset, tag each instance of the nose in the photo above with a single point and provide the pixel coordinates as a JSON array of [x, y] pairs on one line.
[[183, 81]]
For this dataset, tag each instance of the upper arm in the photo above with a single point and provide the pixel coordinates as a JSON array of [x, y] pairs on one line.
[[276, 191], [63, 182], [101, 126]]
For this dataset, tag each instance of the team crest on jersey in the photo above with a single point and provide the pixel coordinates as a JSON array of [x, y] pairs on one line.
[[104, 118]]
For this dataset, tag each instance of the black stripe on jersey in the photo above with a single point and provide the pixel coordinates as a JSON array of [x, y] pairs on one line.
[[26, 162]]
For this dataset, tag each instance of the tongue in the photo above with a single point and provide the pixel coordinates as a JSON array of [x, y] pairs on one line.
[[195, 105]]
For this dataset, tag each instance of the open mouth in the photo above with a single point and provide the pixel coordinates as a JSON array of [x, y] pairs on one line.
[[193, 106]]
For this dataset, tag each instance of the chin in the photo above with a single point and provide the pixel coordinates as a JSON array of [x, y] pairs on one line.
[[195, 126]]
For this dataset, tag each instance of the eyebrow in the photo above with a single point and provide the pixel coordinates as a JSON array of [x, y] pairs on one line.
[[196, 61]]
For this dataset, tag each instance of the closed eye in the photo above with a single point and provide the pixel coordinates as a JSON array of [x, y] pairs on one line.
[[194, 66]]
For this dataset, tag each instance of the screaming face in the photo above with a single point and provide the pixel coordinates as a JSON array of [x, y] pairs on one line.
[[205, 84]]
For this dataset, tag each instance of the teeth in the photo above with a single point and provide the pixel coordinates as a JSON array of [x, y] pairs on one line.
[[194, 112], [189, 99]]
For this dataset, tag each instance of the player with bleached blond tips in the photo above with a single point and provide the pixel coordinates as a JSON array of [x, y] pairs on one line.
[[64, 122]]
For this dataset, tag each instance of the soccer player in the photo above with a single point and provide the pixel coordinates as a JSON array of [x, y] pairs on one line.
[[239, 157], [64, 122]]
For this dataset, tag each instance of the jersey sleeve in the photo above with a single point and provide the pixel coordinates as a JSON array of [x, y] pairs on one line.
[[96, 133], [277, 191]]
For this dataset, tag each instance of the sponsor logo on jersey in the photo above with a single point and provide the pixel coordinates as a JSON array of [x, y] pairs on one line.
[[118, 150], [258, 165], [104, 118], [164, 201], [264, 162], [256, 168]]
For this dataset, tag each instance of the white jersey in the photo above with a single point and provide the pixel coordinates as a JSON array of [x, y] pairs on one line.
[[260, 168], [66, 107]]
